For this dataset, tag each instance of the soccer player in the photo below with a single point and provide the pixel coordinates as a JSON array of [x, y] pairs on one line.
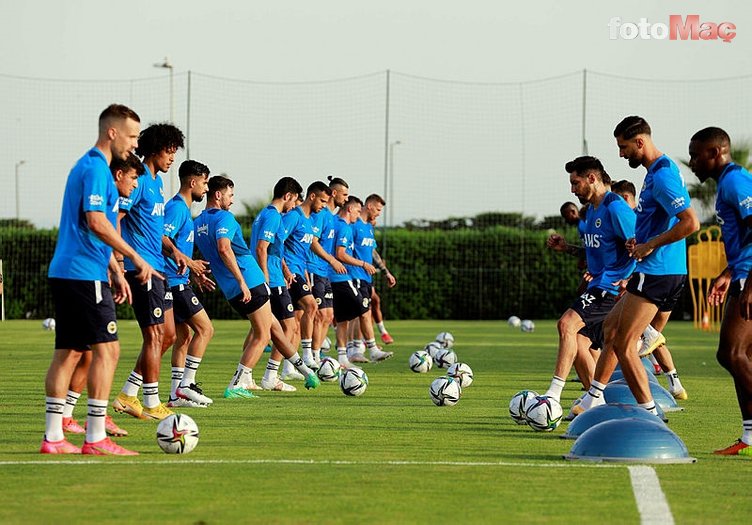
[[364, 248], [608, 223], [268, 236], [142, 224], [709, 157], [125, 173], [664, 220], [570, 213], [299, 225], [378, 317], [187, 313], [84, 302], [220, 240], [321, 261]]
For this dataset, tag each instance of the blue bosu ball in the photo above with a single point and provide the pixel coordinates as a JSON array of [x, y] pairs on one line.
[[618, 392], [599, 414], [630, 440]]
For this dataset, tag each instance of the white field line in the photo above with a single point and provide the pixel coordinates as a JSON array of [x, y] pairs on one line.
[[651, 501]]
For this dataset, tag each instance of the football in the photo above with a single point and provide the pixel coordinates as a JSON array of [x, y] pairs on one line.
[[445, 391], [326, 344], [527, 325], [543, 413], [421, 362], [49, 324], [517, 405], [353, 382], [462, 373], [432, 348], [177, 434], [329, 370], [514, 321], [444, 358], [445, 339]]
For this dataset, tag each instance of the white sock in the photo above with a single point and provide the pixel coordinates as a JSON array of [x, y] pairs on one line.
[[554, 390], [649, 406], [151, 394], [132, 384], [305, 344], [650, 333], [747, 431], [287, 367], [299, 365], [317, 355], [381, 327], [674, 384], [371, 344], [594, 396], [177, 378], [70, 403], [270, 375], [342, 354], [95, 420], [53, 419], [242, 375], [191, 366]]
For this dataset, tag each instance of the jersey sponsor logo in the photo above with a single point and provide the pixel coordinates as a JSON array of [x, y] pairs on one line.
[[190, 237], [203, 229], [222, 231], [746, 203], [331, 234], [112, 327], [116, 206], [678, 202], [169, 228], [307, 238], [158, 209], [719, 219], [592, 240], [639, 204], [598, 222], [269, 235], [95, 200], [368, 241]]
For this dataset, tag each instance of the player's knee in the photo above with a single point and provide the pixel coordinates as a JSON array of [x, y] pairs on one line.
[[566, 325]]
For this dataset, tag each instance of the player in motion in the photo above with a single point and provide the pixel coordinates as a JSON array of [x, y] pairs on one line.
[[664, 220], [220, 240], [710, 158], [80, 272]]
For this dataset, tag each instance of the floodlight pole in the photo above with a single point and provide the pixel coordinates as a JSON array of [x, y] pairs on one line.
[[166, 64], [18, 199], [390, 198]]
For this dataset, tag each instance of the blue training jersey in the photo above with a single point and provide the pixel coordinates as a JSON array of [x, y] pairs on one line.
[[268, 227], [323, 228], [178, 226], [604, 234], [733, 204], [214, 224], [299, 239], [79, 254], [143, 224], [342, 237], [662, 197], [364, 243]]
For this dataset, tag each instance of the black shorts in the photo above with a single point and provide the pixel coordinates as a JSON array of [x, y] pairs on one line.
[[259, 297], [84, 313], [663, 291], [348, 303], [148, 300], [593, 306], [185, 303], [735, 290], [299, 289], [322, 291], [366, 290], [282, 307]]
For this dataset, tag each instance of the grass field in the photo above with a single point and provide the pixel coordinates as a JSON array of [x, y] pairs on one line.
[[389, 456]]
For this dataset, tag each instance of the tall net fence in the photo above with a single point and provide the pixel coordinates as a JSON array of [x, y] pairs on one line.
[[472, 173]]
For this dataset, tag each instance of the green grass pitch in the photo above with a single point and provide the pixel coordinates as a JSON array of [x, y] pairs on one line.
[[389, 456]]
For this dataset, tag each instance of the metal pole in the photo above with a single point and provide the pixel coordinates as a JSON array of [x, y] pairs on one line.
[[188, 120], [166, 64], [386, 159], [18, 188], [390, 197], [584, 111]]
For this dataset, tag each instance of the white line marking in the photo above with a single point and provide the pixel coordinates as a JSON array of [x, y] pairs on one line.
[[177, 461], [651, 501]]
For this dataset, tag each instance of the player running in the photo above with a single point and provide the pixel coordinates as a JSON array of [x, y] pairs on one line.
[[709, 157], [220, 240]]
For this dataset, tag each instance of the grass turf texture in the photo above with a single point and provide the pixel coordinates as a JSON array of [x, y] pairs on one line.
[[372, 459]]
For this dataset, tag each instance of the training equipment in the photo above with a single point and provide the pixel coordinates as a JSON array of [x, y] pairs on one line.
[[601, 413], [630, 439], [353, 382], [177, 434], [527, 325], [618, 392], [326, 344], [445, 391], [421, 362], [329, 370], [445, 339], [445, 358], [49, 324], [432, 348], [514, 321], [543, 413], [517, 405], [462, 373]]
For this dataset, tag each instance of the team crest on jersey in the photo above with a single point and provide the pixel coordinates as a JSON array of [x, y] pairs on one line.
[[318, 300], [157, 312], [112, 327], [598, 222], [194, 300], [290, 308]]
